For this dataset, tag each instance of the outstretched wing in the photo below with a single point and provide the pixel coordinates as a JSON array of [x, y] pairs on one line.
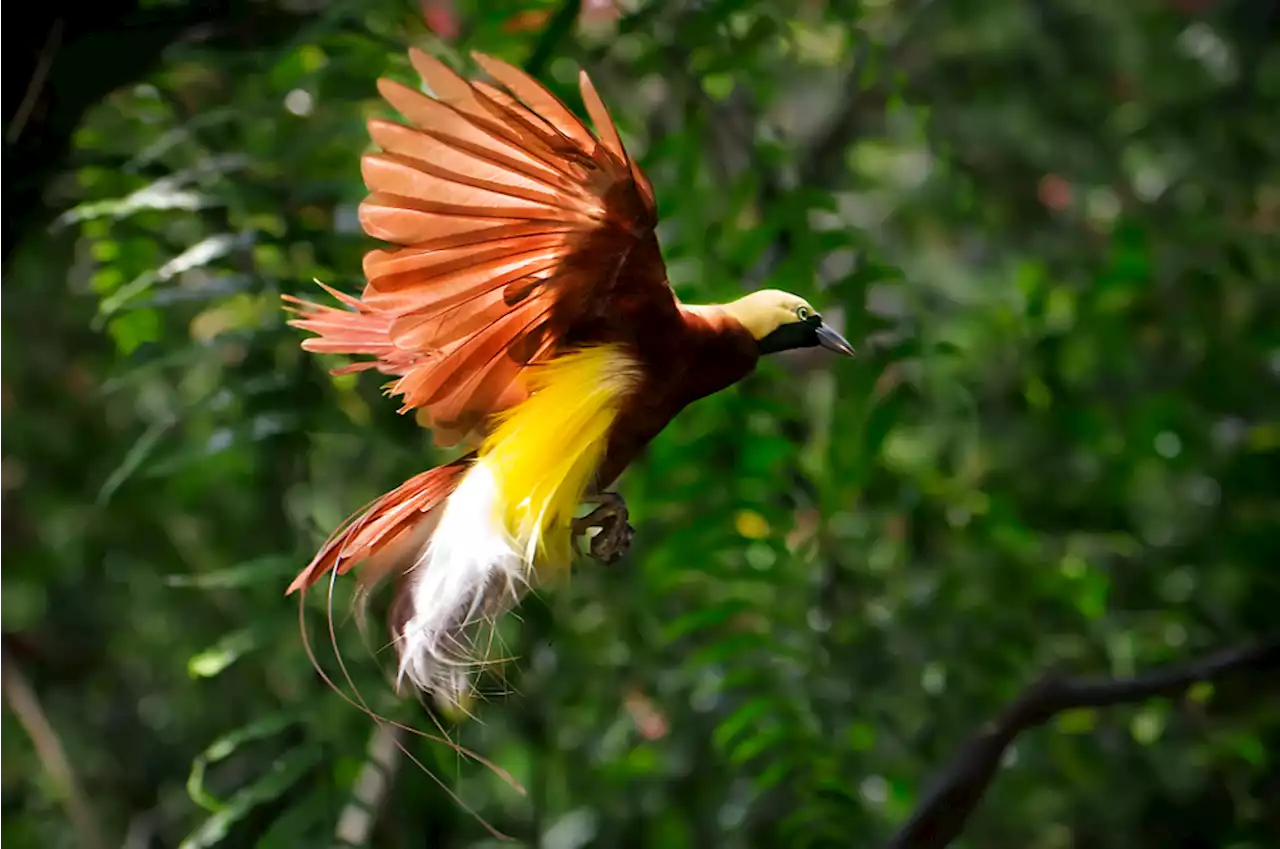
[[515, 228]]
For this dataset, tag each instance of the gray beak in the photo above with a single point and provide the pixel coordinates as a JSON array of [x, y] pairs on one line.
[[833, 341]]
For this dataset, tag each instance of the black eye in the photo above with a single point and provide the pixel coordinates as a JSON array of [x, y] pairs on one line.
[[803, 313]]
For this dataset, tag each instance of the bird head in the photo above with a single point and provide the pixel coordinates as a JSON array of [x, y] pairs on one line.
[[780, 321]]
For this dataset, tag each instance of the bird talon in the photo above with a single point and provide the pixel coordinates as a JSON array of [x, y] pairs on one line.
[[615, 533], [612, 542]]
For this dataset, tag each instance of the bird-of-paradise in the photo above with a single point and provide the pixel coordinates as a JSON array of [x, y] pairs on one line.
[[523, 309]]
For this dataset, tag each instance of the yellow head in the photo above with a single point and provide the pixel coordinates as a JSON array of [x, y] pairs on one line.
[[780, 321]]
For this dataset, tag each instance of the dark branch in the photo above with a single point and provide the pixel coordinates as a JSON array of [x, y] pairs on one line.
[[25, 704], [948, 805], [559, 26]]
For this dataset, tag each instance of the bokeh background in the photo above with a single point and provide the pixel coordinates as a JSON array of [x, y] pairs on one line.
[[1050, 228]]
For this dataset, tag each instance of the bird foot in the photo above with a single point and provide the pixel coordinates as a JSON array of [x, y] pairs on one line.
[[610, 517]]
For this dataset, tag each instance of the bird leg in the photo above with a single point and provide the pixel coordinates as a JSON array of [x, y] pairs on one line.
[[610, 517]]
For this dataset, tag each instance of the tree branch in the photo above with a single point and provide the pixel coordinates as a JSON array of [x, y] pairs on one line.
[[25, 704], [946, 808], [560, 25], [371, 787], [39, 76]]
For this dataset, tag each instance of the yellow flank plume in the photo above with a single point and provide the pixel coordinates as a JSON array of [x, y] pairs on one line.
[[544, 451]]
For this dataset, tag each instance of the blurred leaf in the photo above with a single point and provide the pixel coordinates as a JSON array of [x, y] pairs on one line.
[[227, 745], [741, 719], [698, 620], [133, 460], [133, 329], [203, 253], [260, 570], [228, 650], [285, 772]]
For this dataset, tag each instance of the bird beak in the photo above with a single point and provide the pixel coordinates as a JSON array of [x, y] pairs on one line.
[[833, 341]]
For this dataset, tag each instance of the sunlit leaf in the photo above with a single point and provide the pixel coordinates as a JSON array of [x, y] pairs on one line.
[[228, 650], [283, 774], [260, 570], [227, 745], [202, 253], [742, 719]]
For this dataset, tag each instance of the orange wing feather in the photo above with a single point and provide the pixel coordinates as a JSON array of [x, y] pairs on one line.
[[513, 224]]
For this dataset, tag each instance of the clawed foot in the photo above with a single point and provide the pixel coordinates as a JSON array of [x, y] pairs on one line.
[[611, 518]]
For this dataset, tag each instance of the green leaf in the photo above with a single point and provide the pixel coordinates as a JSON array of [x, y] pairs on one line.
[[203, 253], [134, 458], [228, 650], [1200, 692], [861, 736], [24, 603], [757, 744], [226, 746], [740, 720], [1077, 721], [773, 776], [1250, 748], [134, 329], [285, 772], [718, 86], [724, 650], [260, 570], [1147, 726], [692, 623]]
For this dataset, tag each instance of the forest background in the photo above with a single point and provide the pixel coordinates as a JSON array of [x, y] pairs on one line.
[[1044, 496]]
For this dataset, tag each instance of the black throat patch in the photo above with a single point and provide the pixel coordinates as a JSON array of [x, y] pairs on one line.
[[796, 334]]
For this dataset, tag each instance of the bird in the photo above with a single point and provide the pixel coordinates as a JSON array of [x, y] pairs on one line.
[[520, 305]]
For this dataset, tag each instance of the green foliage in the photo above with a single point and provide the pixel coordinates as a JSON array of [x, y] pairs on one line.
[[1051, 233]]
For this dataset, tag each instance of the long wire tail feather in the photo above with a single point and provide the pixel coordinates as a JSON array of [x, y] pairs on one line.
[[357, 700], [447, 586]]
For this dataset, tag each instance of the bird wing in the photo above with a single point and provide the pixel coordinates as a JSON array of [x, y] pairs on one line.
[[513, 223]]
